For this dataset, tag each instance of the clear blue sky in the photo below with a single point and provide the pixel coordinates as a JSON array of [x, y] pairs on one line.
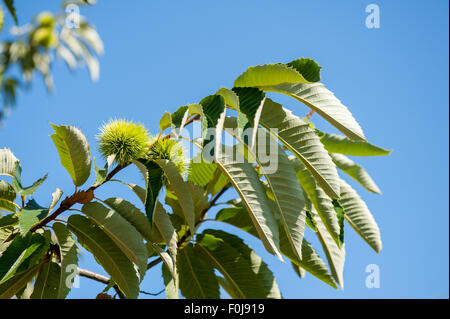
[[164, 54]]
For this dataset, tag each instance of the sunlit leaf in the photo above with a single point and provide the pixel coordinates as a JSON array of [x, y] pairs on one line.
[[355, 171], [74, 152], [359, 217]]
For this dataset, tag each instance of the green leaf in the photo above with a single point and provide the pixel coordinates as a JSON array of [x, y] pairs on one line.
[[269, 75], [165, 227], [100, 174], [321, 202], [133, 215], [154, 180], [69, 258], [74, 152], [25, 191], [299, 270], [138, 190], [206, 174], [25, 292], [181, 189], [340, 217], [302, 141], [246, 182], [56, 196], [126, 237], [356, 172], [335, 255], [243, 269], [19, 256], [251, 102], [197, 279], [199, 199], [30, 215], [8, 162], [284, 186], [228, 287], [179, 118], [7, 197], [321, 100], [170, 283], [310, 260], [8, 220], [335, 143], [2, 18], [230, 97], [15, 284], [107, 253], [165, 121], [213, 115], [8, 225], [47, 282], [359, 217], [308, 68]]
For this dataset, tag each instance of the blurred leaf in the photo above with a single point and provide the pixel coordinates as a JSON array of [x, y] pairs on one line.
[[12, 10]]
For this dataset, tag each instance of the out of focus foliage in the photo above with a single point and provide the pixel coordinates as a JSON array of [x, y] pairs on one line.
[[30, 48]]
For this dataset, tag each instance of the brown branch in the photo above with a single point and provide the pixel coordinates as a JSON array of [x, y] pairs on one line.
[[203, 214], [100, 278], [153, 263], [80, 197]]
